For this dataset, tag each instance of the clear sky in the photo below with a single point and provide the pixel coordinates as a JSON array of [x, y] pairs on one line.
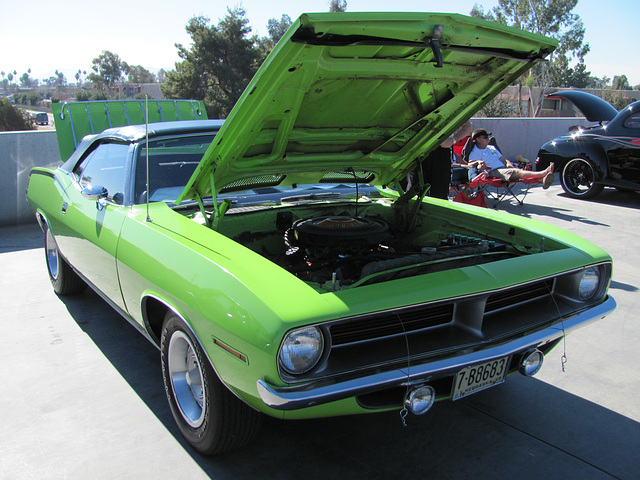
[[66, 35]]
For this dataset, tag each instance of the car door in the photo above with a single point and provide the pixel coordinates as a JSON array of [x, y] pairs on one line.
[[624, 152], [94, 224]]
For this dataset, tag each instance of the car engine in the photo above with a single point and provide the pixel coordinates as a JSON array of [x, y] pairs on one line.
[[344, 250]]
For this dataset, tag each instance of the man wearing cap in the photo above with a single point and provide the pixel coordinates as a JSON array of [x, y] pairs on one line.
[[488, 160]]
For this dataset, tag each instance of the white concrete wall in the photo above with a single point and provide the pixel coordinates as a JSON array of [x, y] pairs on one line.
[[20, 151], [525, 136]]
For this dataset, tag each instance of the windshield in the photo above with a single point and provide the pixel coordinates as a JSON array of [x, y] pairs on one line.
[[172, 161]]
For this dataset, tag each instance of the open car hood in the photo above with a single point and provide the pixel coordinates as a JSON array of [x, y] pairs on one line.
[[594, 108], [359, 96]]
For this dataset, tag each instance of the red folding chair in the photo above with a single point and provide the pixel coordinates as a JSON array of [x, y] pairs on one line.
[[500, 190]]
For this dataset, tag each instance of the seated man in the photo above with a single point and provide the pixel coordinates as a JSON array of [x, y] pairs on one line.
[[488, 161]]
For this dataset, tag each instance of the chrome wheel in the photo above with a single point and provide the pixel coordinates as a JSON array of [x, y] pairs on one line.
[[186, 376], [211, 418], [52, 255], [579, 179], [64, 280]]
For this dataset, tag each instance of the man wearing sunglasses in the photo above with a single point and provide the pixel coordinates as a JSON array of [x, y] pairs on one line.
[[487, 160]]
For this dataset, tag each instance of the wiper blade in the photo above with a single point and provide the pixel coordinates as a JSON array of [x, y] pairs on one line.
[[310, 197]]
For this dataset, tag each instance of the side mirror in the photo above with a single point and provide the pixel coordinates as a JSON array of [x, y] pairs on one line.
[[95, 192]]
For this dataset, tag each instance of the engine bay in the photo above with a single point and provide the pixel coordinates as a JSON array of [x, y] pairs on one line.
[[342, 250], [338, 245]]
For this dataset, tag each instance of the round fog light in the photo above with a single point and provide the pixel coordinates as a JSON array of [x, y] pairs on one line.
[[531, 363], [420, 399]]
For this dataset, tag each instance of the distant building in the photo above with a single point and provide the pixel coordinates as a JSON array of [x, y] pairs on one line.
[[130, 90]]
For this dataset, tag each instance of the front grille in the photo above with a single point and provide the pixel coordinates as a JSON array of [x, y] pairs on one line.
[[390, 339], [517, 295], [387, 324]]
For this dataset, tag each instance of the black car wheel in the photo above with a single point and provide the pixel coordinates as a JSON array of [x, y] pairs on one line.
[[63, 279], [209, 416], [579, 179]]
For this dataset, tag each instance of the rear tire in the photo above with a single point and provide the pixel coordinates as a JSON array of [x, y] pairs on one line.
[[208, 415], [63, 279], [579, 179]]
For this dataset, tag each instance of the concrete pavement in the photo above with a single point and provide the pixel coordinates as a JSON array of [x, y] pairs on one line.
[[82, 393]]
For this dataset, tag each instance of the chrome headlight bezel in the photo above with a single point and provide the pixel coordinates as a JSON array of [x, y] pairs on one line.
[[301, 350], [586, 285]]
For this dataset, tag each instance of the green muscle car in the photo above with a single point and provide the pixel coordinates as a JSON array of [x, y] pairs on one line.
[[275, 259]]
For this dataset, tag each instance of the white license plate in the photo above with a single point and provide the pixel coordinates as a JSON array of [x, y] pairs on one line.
[[477, 377]]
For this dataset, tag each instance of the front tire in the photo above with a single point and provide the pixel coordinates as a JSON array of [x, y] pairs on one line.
[[208, 415], [63, 279], [579, 179]]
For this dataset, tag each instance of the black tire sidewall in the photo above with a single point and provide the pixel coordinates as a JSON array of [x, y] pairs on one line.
[[592, 191], [205, 437]]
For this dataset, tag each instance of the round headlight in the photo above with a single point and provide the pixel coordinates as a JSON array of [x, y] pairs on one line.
[[301, 349], [589, 283]]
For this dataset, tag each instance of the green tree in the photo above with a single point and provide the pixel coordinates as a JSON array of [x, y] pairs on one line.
[[139, 74], [8, 86], [78, 76], [277, 28], [60, 81], [563, 75], [338, 5], [34, 98], [580, 76], [13, 119], [26, 81], [219, 64], [552, 18], [597, 82], [497, 107], [615, 98], [82, 95], [108, 69], [620, 82]]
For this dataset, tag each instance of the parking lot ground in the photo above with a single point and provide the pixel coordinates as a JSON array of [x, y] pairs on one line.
[[82, 394]]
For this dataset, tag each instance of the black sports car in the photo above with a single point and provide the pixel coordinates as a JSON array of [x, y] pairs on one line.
[[606, 155]]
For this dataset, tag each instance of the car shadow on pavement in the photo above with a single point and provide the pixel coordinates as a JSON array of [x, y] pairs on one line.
[[563, 214], [20, 237], [522, 429], [613, 197], [623, 286]]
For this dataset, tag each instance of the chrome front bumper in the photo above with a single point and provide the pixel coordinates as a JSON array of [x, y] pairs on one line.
[[329, 390]]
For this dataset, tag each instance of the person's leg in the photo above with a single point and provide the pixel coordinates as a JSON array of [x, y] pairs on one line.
[[519, 174], [546, 175]]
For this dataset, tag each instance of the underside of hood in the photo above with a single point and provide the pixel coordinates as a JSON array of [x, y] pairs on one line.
[[361, 96]]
